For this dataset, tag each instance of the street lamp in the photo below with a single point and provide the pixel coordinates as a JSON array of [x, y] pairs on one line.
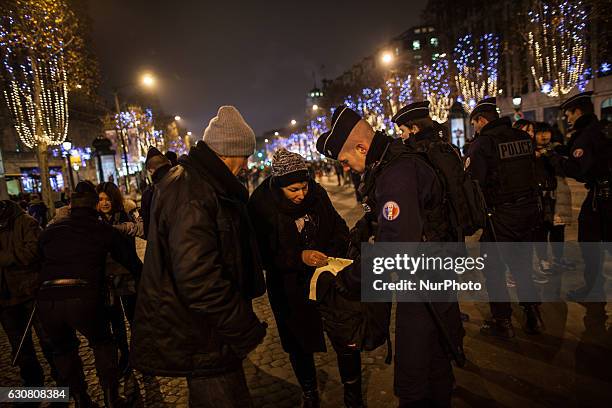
[[67, 147], [315, 108], [177, 118], [386, 58], [293, 122], [275, 133], [148, 80], [189, 133]]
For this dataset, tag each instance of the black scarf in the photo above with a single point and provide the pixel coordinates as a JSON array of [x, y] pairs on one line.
[[289, 208]]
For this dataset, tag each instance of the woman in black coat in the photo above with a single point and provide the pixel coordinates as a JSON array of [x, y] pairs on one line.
[[297, 229], [120, 281]]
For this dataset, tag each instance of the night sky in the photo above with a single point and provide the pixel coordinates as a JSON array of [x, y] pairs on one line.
[[256, 55]]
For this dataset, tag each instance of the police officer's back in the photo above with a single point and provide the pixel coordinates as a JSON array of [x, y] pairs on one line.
[[502, 160], [71, 297]]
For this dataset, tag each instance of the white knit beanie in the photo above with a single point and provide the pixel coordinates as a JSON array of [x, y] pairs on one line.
[[228, 134]]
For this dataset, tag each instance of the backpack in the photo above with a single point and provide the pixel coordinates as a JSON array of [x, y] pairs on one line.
[[351, 322], [463, 196]]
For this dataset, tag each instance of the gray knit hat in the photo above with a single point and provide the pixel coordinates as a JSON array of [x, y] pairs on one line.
[[228, 134], [288, 168]]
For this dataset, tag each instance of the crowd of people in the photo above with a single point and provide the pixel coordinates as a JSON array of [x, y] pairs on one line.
[[212, 249]]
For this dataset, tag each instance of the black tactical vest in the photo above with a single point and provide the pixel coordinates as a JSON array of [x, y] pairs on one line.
[[511, 172]]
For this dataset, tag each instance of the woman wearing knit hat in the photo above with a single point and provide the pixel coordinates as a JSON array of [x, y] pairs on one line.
[[297, 229]]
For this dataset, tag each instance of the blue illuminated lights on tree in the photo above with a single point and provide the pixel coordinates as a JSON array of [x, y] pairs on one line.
[[557, 44], [399, 92], [477, 68], [369, 105], [605, 68], [435, 87]]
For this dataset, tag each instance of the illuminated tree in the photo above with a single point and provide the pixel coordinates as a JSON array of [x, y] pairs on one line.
[[399, 92], [557, 44], [435, 86], [477, 68], [42, 58]]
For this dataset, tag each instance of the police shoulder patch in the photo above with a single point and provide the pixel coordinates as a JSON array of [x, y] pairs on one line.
[[391, 210], [578, 153]]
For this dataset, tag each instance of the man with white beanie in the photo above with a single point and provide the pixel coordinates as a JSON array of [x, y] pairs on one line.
[[202, 269]]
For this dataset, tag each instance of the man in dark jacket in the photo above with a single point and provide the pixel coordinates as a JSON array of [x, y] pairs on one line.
[[158, 166], [19, 269], [72, 295], [194, 316], [401, 193]]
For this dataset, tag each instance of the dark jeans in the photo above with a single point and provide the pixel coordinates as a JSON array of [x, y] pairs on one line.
[[510, 223], [14, 320], [123, 307], [549, 233], [349, 366], [61, 320], [227, 390]]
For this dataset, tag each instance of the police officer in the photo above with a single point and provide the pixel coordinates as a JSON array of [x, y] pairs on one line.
[[399, 192], [502, 160], [72, 296], [589, 161]]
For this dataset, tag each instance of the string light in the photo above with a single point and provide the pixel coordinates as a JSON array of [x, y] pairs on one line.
[[477, 68], [435, 86], [557, 43]]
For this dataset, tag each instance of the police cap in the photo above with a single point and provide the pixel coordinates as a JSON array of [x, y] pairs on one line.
[[417, 110], [576, 101], [343, 121], [485, 105]]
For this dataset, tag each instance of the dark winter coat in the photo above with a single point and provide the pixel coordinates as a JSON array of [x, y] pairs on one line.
[[202, 269], [281, 246], [38, 210], [147, 197], [76, 247], [18, 254]]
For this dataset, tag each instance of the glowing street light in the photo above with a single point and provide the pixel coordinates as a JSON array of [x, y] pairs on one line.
[[315, 108], [189, 133], [148, 80], [293, 122], [386, 58], [275, 134], [177, 118], [265, 140]]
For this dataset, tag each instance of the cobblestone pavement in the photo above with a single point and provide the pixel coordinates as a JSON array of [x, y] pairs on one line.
[[569, 365]]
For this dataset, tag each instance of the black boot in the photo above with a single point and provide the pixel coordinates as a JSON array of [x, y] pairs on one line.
[[310, 399], [111, 397], [533, 319], [498, 328], [352, 394], [82, 400]]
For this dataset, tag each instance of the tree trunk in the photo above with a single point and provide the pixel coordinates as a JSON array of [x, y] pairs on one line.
[[3, 189], [43, 166]]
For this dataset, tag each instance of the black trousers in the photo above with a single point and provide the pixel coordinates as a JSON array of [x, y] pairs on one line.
[[510, 223], [546, 233], [423, 372], [14, 320], [61, 320], [594, 225], [228, 390], [349, 366], [123, 307]]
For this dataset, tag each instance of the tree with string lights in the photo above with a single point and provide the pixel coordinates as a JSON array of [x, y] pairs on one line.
[[477, 68], [435, 87], [42, 59], [557, 44]]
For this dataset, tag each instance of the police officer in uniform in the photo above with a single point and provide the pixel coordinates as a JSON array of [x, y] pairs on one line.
[[400, 192], [589, 160], [502, 160]]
